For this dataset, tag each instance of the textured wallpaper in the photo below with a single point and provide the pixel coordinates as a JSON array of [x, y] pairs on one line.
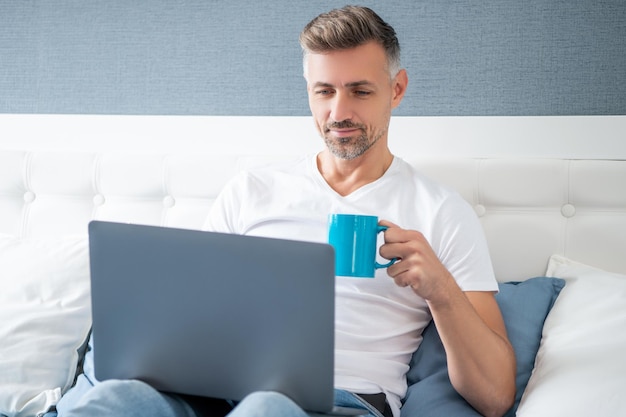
[[208, 57]]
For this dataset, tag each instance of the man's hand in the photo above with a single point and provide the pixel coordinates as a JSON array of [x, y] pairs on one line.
[[418, 266]]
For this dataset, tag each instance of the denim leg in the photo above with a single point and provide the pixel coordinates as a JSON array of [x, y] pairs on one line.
[[274, 404], [267, 404], [115, 398]]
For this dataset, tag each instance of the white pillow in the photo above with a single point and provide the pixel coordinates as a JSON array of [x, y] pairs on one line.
[[580, 368], [45, 316]]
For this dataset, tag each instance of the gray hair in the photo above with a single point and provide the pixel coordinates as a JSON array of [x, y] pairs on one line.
[[347, 28]]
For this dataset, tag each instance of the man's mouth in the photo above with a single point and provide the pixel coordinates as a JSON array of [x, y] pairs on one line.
[[343, 129], [344, 133]]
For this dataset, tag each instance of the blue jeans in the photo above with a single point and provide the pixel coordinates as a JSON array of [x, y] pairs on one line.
[[136, 398], [114, 398]]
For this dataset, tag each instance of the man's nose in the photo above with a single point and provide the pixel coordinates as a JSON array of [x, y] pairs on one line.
[[341, 108]]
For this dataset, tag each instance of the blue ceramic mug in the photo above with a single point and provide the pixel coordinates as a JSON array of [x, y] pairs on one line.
[[354, 238]]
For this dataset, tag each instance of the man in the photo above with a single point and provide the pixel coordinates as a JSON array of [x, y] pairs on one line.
[[354, 81]]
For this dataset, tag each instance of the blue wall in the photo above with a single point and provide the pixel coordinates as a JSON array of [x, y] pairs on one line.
[[487, 57]]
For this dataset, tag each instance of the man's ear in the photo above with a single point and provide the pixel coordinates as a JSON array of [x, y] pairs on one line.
[[399, 85]]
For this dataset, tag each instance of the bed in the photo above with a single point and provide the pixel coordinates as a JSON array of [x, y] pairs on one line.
[[550, 193]]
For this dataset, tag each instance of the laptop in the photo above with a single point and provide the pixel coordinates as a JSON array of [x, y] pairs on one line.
[[213, 314]]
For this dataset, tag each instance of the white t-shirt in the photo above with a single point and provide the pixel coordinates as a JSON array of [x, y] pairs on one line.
[[378, 324]]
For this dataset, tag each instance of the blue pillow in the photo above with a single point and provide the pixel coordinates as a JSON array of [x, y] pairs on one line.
[[524, 307]]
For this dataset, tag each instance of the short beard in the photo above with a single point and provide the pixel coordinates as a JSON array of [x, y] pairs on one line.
[[351, 147]]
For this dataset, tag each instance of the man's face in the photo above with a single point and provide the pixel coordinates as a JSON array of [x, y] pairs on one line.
[[351, 97]]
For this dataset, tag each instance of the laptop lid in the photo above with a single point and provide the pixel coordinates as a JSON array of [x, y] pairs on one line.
[[213, 314]]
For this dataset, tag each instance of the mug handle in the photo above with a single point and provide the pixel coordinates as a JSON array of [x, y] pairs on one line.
[[391, 262]]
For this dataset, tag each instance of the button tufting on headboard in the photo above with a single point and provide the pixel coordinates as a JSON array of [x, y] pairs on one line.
[[568, 210]]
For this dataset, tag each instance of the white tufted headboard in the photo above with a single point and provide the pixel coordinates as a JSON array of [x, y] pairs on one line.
[[540, 185]]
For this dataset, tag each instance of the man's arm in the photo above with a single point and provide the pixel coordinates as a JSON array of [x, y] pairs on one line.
[[481, 361]]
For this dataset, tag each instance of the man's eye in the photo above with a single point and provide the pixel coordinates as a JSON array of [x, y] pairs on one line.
[[362, 93], [323, 92]]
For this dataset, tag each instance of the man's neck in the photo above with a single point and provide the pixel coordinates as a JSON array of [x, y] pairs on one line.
[[347, 176]]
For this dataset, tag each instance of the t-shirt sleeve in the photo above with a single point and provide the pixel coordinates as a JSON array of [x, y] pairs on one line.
[[462, 247], [223, 215]]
